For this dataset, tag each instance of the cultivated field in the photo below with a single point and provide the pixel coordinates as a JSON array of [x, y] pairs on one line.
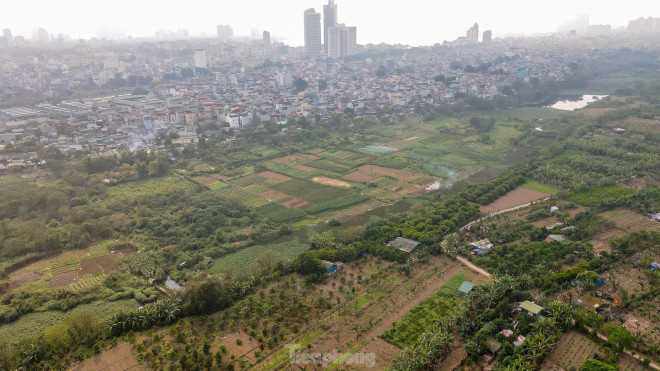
[[357, 326], [573, 348], [626, 222]]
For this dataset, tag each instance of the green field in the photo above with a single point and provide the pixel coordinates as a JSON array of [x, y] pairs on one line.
[[243, 260], [310, 191], [423, 317], [34, 324], [535, 186]]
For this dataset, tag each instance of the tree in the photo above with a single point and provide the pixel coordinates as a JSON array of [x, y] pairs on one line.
[[587, 279], [620, 336], [299, 84], [306, 263], [596, 365]]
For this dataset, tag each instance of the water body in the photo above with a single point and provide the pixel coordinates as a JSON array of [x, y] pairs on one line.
[[573, 102]]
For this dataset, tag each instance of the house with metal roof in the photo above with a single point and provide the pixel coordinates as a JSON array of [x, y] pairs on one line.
[[404, 244], [466, 287], [531, 308]]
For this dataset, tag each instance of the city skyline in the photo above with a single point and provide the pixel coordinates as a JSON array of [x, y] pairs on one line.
[[426, 22]]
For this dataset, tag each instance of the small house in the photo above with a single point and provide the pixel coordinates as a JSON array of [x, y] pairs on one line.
[[466, 287], [478, 252], [151, 281], [618, 130], [655, 217], [519, 342], [333, 267], [530, 308], [404, 244], [484, 244], [553, 209]]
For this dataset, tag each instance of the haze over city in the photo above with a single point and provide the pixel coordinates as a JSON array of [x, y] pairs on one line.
[[418, 22]]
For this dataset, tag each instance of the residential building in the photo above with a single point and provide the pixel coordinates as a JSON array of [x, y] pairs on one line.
[[266, 38], [342, 41], [225, 32], [487, 36], [201, 59], [312, 32]]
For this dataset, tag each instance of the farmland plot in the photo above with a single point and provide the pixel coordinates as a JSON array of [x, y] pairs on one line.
[[572, 349]]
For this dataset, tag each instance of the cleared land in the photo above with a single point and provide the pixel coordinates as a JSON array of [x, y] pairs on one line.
[[119, 358], [518, 197], [330, 182]]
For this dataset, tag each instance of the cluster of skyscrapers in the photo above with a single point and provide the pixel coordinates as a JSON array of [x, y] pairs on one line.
[[472, 36], [337, 40]]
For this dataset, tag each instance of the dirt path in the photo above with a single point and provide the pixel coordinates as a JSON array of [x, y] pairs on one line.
[[502, 212], [468, 264]]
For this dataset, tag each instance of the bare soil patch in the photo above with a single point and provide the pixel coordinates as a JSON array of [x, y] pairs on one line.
[[273, 177], [330, 182], [103, 264], [62, 280], [517, 197], [18, 280], [245, 349], [454, 360], [358, 176], [119, 358], [305, 168], [297, 203]]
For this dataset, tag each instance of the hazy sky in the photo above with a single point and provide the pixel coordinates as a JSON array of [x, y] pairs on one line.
[[414, 22]]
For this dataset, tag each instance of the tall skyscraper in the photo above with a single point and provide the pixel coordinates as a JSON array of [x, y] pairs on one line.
[[225, 32], [266, 38], [7, 34], [329, 20], [42, 35], [312, 32], [473, 34], [487, 36], [342, 41]]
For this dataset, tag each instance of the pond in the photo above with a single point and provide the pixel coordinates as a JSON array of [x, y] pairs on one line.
[[573, 102]]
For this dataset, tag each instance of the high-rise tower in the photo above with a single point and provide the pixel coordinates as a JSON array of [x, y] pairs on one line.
[[312, 32], [329, 20], [473, 34]]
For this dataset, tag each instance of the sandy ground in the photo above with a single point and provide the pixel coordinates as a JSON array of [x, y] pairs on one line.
[[330, 182]]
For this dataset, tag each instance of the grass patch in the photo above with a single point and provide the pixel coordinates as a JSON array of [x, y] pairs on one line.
[[535, 186], [310, 191], [280, 213], [34, 324], [242, 260], [421, 318]]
